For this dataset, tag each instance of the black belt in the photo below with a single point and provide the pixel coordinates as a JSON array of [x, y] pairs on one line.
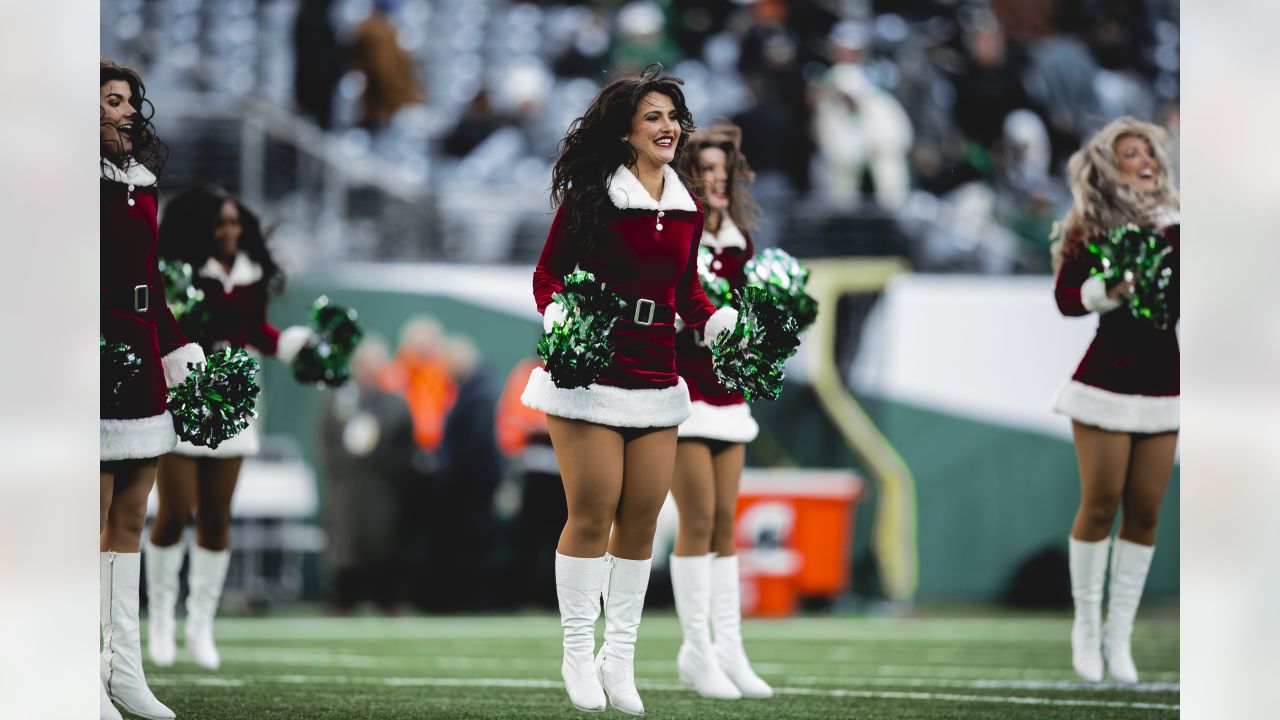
[[647, 312], [136, 298]]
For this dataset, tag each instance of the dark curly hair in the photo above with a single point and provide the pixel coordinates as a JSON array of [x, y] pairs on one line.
[[743, 209], [593, 149], [186, 231], [147, 151]]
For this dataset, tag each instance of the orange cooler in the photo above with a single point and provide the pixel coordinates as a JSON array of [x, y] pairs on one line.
[[792, 534]]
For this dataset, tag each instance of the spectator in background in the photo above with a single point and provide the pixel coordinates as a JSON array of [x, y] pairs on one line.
[[862, 131], [366, 446], [776, 129], [389, 80], [317, 61], [420, 373], [472, 467], [642, 39], [526, 443], [987, 90]]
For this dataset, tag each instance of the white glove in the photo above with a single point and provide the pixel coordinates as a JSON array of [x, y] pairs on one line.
[[720, 323], [552, 315], [292, 339]]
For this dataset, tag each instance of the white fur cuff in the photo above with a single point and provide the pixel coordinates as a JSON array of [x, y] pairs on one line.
[[1093, 294], [728, 423], [608, 405], [136, 438], [1115, 411], [721, 322], [552, 315], [292, 339], [176, 363]]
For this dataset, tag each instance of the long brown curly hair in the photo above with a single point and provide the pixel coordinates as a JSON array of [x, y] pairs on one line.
[[147, 151], [593, 149], [743, 209], [1101, 197]]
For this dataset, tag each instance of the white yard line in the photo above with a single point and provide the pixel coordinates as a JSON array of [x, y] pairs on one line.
[[983, 684], [538, 684]]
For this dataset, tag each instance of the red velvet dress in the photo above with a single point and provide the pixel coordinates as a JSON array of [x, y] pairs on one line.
[[237, 304], [1128, 379], [717, 414], [650, 253], [136, 424]]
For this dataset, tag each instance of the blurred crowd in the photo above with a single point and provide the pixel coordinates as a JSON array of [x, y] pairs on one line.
[[437, 483], [953, 116]]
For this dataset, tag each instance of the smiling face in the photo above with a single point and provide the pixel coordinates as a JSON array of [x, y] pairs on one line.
[[713, 176], [116, 120], [1137, 162], [226, 234], [655, 130]]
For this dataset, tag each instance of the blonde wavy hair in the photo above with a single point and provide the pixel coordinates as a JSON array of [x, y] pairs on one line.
[[1101, 197]]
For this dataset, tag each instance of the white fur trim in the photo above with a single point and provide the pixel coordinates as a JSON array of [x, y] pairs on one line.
[[1117, 412], [292, 339], [243, 272], [608, 405], [175, 363], [552, 315], [1093, 294], [728, 237], [136, 438], [721, 322], [134, 174], [1167, 216], [242, 444], [627, 193], [730, 423]]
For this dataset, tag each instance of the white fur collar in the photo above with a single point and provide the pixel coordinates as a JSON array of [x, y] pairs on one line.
[[243, 272], [627, 193], [134, 173], [728, 237], [1167, 216]]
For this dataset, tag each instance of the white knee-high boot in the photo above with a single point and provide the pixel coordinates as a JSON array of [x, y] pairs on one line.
[[205, 575], [1129, 565], [1088, 561], [120, 664], [578, 587], [163, 566], [106, 711], [726, 626], [696, 660], [625, 587]]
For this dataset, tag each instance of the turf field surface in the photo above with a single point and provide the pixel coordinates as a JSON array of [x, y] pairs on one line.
[[955, 667]]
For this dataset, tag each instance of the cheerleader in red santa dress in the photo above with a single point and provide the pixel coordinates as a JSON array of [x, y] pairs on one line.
[[712, 444], [224, 244], [1123, 398], [626, 216], [135, 426]]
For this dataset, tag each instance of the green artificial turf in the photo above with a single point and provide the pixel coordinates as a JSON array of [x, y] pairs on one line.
[[976, 665]]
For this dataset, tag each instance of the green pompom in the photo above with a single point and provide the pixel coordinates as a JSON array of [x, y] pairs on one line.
[[217, 398], [750, 358], [1136, 253], [717, 288], [118, 366], [577, 350], [785, 278], [326, 358], [185, 300]]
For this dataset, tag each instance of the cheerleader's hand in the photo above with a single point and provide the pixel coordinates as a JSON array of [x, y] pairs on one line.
[[552, 315], [720, 323], [292, 339], [1123, 289]]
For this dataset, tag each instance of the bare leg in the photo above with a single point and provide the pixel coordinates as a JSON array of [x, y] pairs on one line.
[[215, 485], [649, 460], [693, 488], [1104, 463], [106, 484], [728, 471], [128, 511], [176, 488], [1149, 472], [590, 458]]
